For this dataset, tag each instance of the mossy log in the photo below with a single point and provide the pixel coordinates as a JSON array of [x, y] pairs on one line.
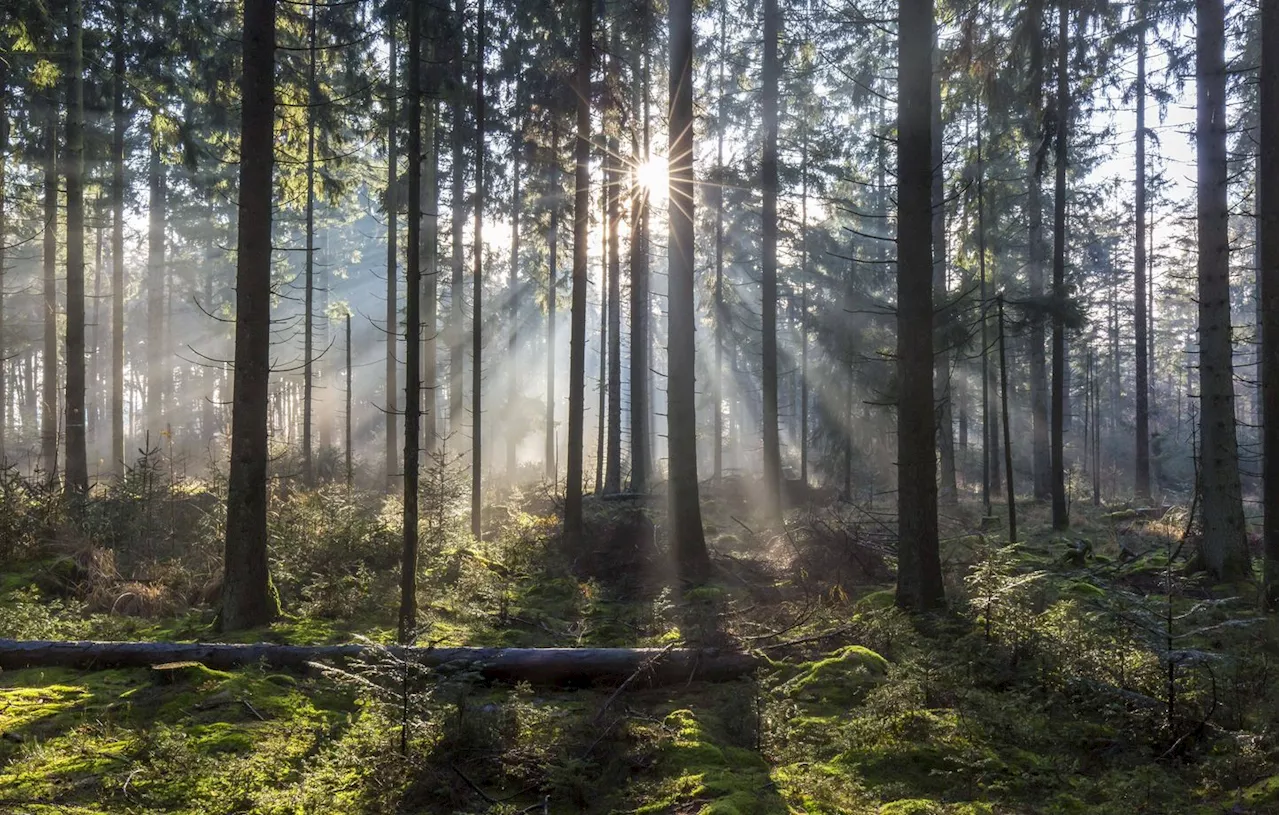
[[538, 666]]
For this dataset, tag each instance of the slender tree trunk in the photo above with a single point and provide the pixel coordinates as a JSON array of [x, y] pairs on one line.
[[687, 540], [947, 489], [477, 423], [1142, 432], [1004, 418], [639, 271], [4, 348], [769, 280], [77, 460], [412, 334], [430, 259], [49, 362], [156, 370], [392, 319], [553, 244], [804, 308], [457, 297], [248, 599], [1040, 455], [717, 379], [919, 569], [513, 277], [309, 287], [982, 288], [346, 436], [578, 297], [613, 186], [1059, 275], [601, 382], [1268, 272], [1223, 551]]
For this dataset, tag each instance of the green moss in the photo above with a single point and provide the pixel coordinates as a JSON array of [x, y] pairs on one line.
[[911, 806], [841, 679]]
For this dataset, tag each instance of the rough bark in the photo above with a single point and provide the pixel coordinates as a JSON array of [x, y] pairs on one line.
[[49, 359], [1057, 476], [309, 259], [613, 187], [687, 541], [578, 294], [919, 570], [408, 620], [1040, 456], [769, 278], [392, 319], [1223, 551], [639, 272], [156, 371], [947, 490], [549, 463], [119, 124], [1141, 461], [477, 251], [77, 461], [248, 598], [1268, 272]]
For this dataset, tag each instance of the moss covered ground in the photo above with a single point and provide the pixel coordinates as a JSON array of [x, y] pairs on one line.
[[1044, 688]]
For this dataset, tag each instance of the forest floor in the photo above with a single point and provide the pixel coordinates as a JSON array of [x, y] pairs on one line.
[[1071, 674]]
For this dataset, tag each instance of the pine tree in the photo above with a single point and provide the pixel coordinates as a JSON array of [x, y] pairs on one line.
[[685, 513], [77, 462], [578, 296], [919, 568], [1223, 551], [248, 598]]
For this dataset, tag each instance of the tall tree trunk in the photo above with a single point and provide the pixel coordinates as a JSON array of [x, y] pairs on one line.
[[77, 459], [687, 540], [457, 296], [550, 468], [248, 598], [769, 280], [477, 253], [1059, 276], [430, 259], [1268, 272], [613, 185], [601, 382], [156, 369], [1142, 432], [639, 271], [346, 436], [1223, 551], [119, 124], [1004, 420], [49, 366], [4, 349], [309, 287], [717, 379], [392, 319], [513, 275], [578, 297], [982, 288], [947, 490], [1040, 455], [919, 569], [412, 335]]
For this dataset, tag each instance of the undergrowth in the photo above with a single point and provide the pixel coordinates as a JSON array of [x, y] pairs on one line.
[[1081, 674]]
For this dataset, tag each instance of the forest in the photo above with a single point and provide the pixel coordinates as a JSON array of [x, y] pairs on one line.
[[729, 407]]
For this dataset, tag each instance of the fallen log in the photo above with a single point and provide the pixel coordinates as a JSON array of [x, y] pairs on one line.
[[537, 666]]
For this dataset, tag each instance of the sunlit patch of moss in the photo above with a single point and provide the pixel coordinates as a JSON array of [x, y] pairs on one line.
[[841, 679], [911, 806]]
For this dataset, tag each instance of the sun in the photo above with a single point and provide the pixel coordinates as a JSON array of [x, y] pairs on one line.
[[652, 175]]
